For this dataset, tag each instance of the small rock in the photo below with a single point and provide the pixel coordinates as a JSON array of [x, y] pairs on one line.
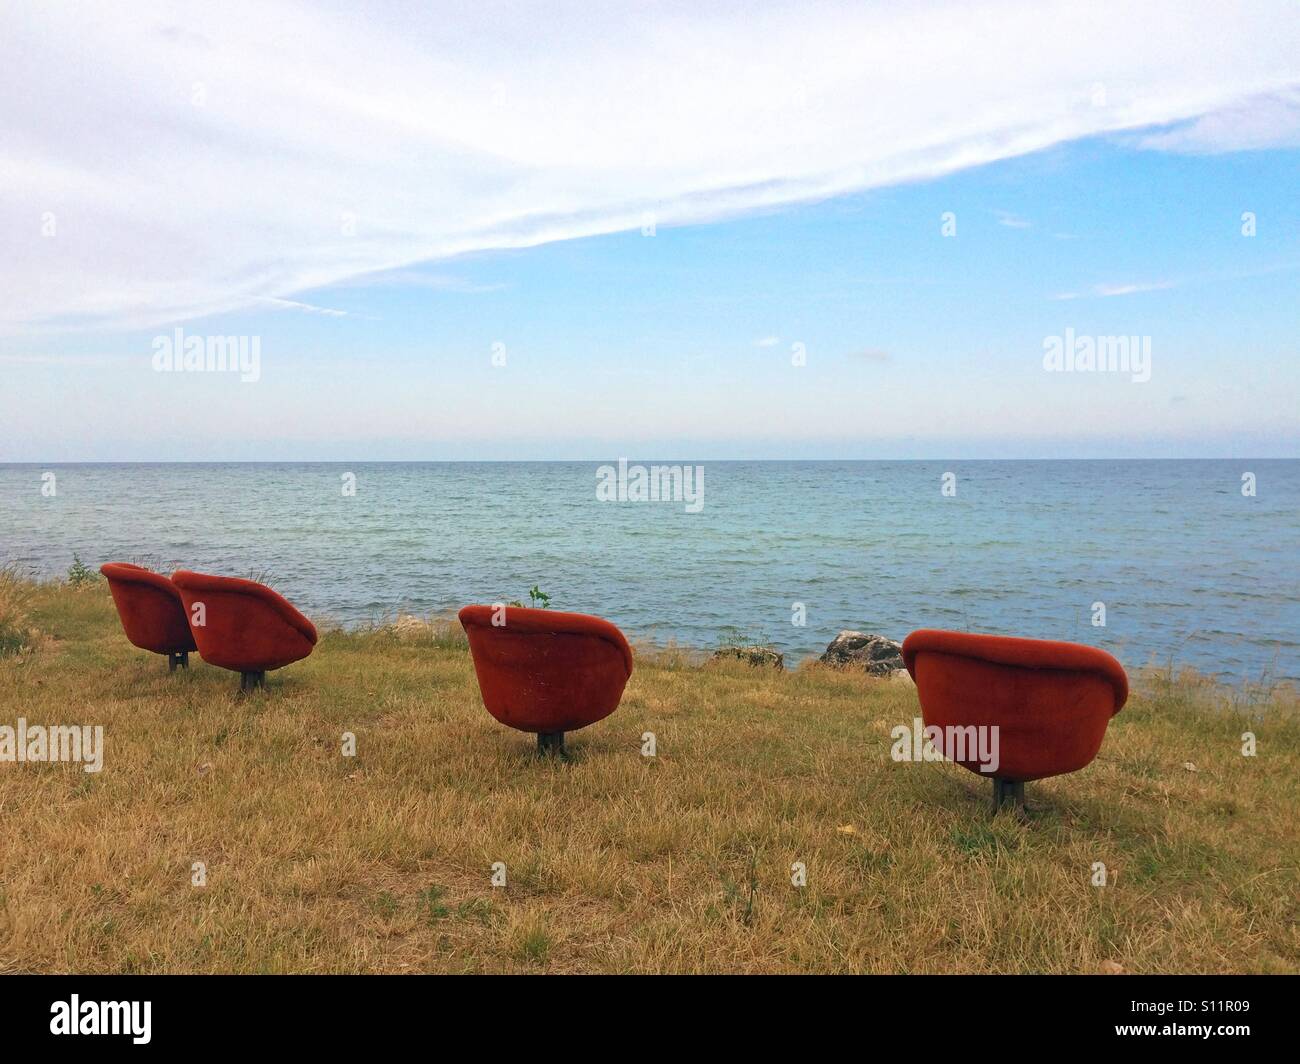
[[874, 654], [847, 829], [1190, 767], [755, 655], [205, 768], [408, 626], [1110, 968]]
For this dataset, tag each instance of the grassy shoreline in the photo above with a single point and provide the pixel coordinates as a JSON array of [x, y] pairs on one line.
[[614, 862]]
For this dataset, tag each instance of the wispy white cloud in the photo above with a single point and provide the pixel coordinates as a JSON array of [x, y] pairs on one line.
[[306, 308], [162, 161], [871, 354], [767, 341], [1105, 291], [434, 282], [1012, 221]]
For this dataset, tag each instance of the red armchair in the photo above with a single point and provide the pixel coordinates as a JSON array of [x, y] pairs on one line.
[[151, 611], [1050, 702], [544, 671], [243, 626]]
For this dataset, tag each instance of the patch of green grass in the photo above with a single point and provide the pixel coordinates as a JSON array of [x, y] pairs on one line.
[[430, 900], [478, 909], [976, 839], [533, 945]]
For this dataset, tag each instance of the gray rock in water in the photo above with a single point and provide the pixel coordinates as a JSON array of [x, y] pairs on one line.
[[873, 654], [753, 655]]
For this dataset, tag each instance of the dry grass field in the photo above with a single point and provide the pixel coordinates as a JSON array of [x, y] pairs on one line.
[[614, 861]]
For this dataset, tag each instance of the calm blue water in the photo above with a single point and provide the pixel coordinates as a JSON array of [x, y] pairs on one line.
[[1189, 569]]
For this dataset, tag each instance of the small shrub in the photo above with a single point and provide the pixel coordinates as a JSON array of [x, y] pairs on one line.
[[79, 574]]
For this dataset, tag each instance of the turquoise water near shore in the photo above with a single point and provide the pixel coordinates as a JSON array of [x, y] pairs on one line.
[[1190, 570]]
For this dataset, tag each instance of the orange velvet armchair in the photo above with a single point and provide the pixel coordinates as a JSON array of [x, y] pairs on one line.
[[1050, 702], [243, 626], [545, 671], [151, 611]]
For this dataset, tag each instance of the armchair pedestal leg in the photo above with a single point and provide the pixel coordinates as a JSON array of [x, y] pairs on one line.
[[181, 658], [249, 681], [1007, 792], [550, 743]]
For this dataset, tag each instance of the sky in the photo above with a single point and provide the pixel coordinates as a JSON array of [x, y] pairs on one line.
[[655, 231]]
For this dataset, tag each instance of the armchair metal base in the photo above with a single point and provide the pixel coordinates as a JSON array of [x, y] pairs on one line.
[[248, 681], [181, 658], [551, 743], [1006, 792]]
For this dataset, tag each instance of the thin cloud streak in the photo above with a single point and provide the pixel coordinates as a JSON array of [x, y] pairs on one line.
[[1107, 291], [306, 308], [1013, 221], [433, 282]]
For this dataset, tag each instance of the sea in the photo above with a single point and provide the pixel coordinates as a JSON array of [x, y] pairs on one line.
[[1164, 563]]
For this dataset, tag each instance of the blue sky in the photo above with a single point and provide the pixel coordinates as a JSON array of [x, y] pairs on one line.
[[680, 344]]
